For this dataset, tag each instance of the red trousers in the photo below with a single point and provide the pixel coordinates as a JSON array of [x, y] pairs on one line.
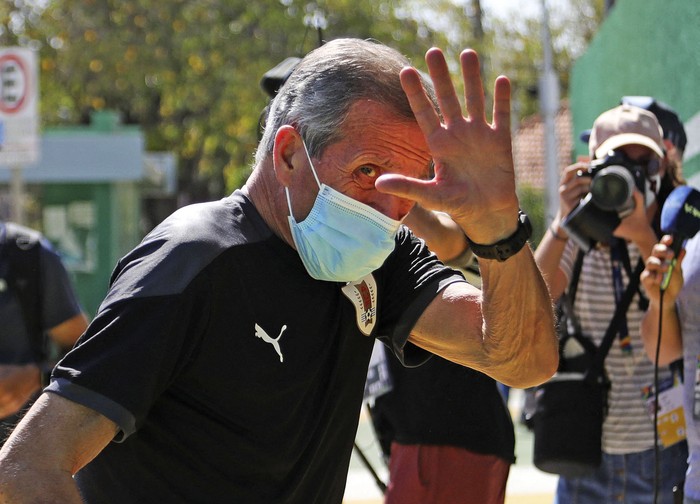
[[425, 474]]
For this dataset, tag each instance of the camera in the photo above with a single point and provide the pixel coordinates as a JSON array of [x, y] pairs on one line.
[[610, 199]]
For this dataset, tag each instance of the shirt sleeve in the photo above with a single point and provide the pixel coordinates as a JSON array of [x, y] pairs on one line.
[[135, 347], [413, 278]]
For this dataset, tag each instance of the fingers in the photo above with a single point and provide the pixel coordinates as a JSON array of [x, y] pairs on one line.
[[422, 107], [654, 269], [664, 249], [659, 264], [473, 88], [450, 106], [501, 104], [444, 89], [405, 187], [573, 187]]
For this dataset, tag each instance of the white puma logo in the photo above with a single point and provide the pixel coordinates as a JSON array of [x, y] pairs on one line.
[[260, 333]]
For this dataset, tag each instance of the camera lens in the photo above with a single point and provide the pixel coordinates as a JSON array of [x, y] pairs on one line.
[[612, 187]]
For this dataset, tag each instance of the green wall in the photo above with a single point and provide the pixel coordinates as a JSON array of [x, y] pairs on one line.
[[92, 225], [644, 47]]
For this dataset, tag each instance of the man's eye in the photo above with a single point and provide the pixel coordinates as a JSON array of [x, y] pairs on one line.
[[368, 171]]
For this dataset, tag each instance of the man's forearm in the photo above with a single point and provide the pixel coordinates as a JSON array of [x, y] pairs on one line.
[[519, 336], [54, 440], [442, 235], [19, 485]]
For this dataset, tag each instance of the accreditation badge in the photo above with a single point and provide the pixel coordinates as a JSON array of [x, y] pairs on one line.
[[671, 420]]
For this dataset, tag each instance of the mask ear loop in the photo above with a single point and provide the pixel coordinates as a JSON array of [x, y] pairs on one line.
[[311, 165], [289, 201]]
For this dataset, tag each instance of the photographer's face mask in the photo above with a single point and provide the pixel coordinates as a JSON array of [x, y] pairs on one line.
[[651, 189], [646, 174], [613, 180], [342, 239]]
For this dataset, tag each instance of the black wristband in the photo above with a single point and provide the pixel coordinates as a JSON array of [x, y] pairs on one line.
[[507, 247]]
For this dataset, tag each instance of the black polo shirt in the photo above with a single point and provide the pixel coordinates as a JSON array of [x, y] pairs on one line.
[[233, 375]]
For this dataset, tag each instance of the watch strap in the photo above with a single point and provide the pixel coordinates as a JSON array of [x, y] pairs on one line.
[[507, 247]]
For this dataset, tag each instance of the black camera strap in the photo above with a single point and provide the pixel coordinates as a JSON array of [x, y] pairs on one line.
[[600, 352], [625, 256], [566, 304]]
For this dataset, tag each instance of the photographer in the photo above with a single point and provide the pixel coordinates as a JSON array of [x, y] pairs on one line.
[[615, 235]]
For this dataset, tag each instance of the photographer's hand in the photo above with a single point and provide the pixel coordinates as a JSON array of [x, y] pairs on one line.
[[572, 188], [652, 276], [656, 267], [636, 227], [548, 254]]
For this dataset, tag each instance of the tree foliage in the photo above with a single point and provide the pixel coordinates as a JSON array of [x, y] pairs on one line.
[[188, 71], [516, 47]]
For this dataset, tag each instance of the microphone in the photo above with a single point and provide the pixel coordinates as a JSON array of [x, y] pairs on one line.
[[680, 217]]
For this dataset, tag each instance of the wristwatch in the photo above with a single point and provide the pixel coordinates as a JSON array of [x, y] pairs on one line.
[[503, 249]]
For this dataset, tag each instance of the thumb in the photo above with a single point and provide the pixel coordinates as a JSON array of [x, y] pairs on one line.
[[405, 187]]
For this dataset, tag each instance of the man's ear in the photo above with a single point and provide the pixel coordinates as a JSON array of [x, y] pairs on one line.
[[285, 153]]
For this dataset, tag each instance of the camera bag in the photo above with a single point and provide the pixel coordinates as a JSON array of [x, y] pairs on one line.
[[570, 408]]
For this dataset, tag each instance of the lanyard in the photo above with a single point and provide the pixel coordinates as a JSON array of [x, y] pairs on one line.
[[616, 260]]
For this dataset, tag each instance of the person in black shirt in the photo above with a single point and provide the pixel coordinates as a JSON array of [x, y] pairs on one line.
[[446, 433], [41, 318]]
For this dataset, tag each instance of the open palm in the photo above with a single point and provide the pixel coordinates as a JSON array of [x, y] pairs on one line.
[[474, 180]]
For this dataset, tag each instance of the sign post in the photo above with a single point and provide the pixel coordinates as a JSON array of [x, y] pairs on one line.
[[19, 118]]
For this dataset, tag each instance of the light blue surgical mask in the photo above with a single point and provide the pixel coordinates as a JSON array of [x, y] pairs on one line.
[[341, 240]]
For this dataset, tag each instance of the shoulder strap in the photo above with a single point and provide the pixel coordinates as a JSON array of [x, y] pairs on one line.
[[625, 255], [23, 253], [606, 343], [576, 273], [566, 304]]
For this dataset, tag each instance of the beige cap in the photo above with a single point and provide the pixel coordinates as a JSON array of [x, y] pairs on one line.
[[625, 125]]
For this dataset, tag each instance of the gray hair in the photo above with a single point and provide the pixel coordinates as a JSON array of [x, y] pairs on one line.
[[318, 94]]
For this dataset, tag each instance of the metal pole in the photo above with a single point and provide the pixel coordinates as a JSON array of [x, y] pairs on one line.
[[549, 105], [377, 479], [17, 193]]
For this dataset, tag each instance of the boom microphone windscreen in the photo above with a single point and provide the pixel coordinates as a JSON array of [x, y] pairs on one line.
[[680, 217]]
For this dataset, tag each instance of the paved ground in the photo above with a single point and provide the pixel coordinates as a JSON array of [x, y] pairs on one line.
[[526, 484]]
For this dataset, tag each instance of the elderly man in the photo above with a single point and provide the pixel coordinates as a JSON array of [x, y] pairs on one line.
[[228, 360]]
